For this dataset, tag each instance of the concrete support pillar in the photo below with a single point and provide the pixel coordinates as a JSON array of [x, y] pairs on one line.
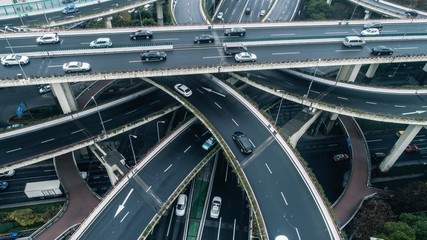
[[65, 97], [331, 122], [367, 14], [108, 23], [371, 70], [422, 77], [410, 132], [159, 7], [348, 73], [329, 2]]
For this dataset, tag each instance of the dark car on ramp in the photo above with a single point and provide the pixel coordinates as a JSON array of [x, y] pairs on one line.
[[382, 50], [377, 25], [153, 55], [204, 38], [144, 34], [235, 31], [243, 142]]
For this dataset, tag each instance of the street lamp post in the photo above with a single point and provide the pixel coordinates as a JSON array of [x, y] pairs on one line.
[[11, 49], [280, 105], [158, 134], [100, 118], [140, 18], [131, 146], [311, 83]]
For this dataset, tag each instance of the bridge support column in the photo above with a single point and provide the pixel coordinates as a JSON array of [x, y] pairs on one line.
[[65, 97], [367, 14], [329, 2], [299, 124], [159, 7], [410, 132], [371, 70], [348, 73], [108, 23], [331, 122], [421, 78]]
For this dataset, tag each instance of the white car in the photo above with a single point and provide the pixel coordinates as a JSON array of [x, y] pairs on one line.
[[184, 90], [220, 15], [181, 205], [262, 13], [216, 207], [370, 32], [245, 57], [45, 89], [48, 38], [14, 59], [9, 173], [76, 67]]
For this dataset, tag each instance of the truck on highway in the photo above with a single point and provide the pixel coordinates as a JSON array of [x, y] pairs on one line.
[[43, 189]]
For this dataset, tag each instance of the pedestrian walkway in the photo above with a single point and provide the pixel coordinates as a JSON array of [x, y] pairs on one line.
[[357, 188], [85, 97], [81, 201]]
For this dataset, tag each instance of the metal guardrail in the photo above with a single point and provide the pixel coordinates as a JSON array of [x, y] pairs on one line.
[[22, 9]]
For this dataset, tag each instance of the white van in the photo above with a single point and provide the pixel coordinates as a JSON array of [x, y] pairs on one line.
[[353, 41]]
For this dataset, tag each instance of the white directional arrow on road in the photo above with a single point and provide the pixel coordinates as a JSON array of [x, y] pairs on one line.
[[122, 206], [416, 112], [212, 91]]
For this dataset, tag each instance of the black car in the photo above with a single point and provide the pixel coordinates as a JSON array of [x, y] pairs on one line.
[[204, 38], [382, 50], [243, 142], [153, 55], [236, 31], [377, 25], [248, 11], [411, 13], [146, 34]]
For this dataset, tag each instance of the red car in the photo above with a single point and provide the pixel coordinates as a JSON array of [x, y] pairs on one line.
[[411, 148], [340, 157]]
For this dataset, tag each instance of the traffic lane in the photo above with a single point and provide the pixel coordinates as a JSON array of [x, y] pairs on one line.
[[256, 7], [286, 209], [115, 224], [164, 176], [232, 10], [188, 12], [44, 140], [234, 212], [282, 11]]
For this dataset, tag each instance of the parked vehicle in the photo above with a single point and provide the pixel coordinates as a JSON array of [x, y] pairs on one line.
[[14, 59], [182, 89], [144, 34], [101, 43], [235, 31], [76, 67], [216, 207], [70, 9], [209, 143], [48, 38], [181, 205], [340, 157], [245, 57], [43, 189], [204, 38], [153, 55], [382, 50], [243, 142]]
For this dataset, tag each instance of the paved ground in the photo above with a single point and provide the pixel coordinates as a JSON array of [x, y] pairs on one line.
[[357, 187], [85, 98], [81, 201]]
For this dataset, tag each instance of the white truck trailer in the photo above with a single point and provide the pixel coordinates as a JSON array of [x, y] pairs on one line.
[[43, 189]]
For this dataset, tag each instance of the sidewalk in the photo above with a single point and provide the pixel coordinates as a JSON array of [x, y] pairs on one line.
[[357, 188], [81, 201]]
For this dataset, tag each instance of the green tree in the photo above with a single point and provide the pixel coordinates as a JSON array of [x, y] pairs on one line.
[[418, 222], [397, 231], [96, 24], [25, 217], [317, 10], [415, 197], [149, 22]]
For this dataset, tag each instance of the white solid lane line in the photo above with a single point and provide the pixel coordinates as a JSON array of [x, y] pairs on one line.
[[285, 53], [164, 39], [130, 112], [187, 149], [343, 98], [212, 57], [85, 43], [218, 105], [154, 102], [148, 189], [373, 103], [108, 120], [14, 150], [49, 140], [81, 130], [206, 132], [284, 199], [235, 122], [124, 217], [167, 168], [336, 32], [299, 237], [374, 140], [349, 50], [406, 48], [27, 46], [96, 8], [252, 143], [282, 34], [399, 106], [52, 66], [388, 31], [268, 168], [135, 61]]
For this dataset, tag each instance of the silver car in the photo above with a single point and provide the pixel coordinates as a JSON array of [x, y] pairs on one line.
[[14, 59], [76, 67], [245, 57], [48, 38], [184, 90]]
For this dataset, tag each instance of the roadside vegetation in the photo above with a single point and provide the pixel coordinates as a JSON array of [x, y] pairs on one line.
[[316, 10], [28, 217], [415, 4]]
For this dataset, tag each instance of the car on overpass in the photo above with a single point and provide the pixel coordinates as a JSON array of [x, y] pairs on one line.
[[216, 207], [204, 38], [101, 43], [382, 50], [76, 66], [144, 34], [48, 38], [245, 57], [243, 142], [235, 31], [3, 185], [9, 173], [181, 205], [378, 25], [370, 32], [14, 59], [153, 55], [70, 9], [209, 143]]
